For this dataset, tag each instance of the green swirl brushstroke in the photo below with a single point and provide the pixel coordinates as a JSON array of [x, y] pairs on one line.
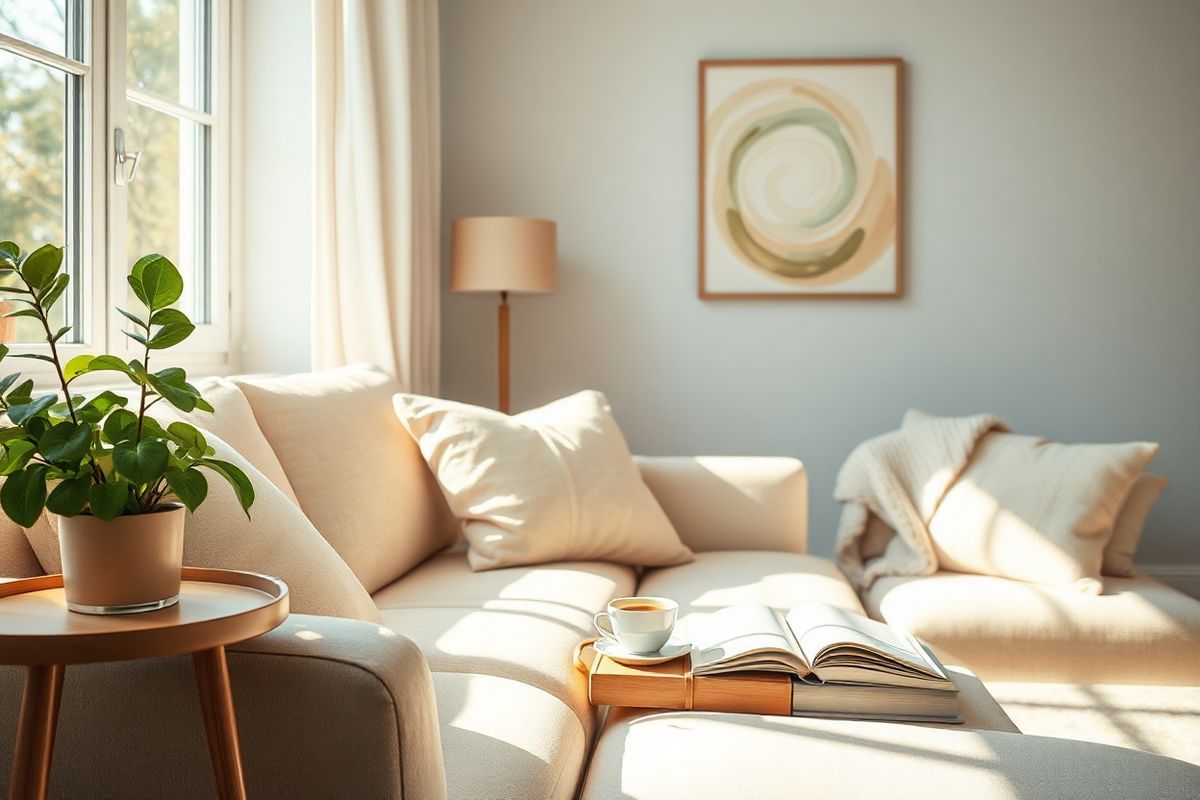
[[810, 267], [818, 119]]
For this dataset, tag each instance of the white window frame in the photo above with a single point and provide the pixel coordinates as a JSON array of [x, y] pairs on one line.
[[210, 349]]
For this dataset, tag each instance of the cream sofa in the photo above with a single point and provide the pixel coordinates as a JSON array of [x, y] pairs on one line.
[[460, 684]]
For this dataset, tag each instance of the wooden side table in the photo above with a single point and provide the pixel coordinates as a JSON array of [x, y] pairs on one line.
[[216, 608]]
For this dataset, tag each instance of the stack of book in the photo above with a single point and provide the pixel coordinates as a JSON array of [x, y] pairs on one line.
[[815, 660]]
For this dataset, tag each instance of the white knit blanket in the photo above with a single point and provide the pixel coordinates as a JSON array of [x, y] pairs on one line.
[[901, 477]]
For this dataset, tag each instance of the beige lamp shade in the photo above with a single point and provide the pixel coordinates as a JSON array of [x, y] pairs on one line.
[[502, 254]]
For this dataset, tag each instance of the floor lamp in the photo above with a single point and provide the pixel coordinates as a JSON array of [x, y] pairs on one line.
[[503, 254]]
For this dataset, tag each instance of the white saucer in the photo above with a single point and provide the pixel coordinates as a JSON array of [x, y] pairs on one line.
[[613, 649]]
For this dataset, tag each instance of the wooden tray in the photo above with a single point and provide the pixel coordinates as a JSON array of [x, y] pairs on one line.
[[672, 686]]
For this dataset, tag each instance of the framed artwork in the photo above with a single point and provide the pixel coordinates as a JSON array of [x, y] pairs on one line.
[[801, 169]]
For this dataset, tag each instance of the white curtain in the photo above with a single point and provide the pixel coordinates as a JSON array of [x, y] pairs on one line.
[[377, 190]]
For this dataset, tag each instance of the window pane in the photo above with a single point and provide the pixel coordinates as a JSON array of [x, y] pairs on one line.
[[33, 146], [166, 47], [168, 199], [39, 22]]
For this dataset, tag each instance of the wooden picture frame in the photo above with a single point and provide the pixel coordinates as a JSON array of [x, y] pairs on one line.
[[819, 145]]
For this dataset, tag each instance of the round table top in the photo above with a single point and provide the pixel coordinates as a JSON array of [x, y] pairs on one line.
[[216, 607]]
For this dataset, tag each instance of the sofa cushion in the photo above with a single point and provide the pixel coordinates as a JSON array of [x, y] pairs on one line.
[[232, 420], [1158, 719], [722, 578], [506, 739], [1127, 530], [356, 472], [1138, 631], [521, 623], [708, 756], [730, 502], [1035, 510], [549, 484], [277, 540]]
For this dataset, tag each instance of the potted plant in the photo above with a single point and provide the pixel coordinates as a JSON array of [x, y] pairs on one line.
[[117, 480]]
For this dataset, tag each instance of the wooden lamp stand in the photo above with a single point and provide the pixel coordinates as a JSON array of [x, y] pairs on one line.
[[503, 254]]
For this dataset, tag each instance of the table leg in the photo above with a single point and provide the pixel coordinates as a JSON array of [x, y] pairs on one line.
[[220, 723], [38, 719]]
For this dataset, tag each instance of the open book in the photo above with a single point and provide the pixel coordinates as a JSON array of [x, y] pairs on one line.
[[816, 642]]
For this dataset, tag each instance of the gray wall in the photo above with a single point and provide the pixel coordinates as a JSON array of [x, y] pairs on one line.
[[1053, 191]]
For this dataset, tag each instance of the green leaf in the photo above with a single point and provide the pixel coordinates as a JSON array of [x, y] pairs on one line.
[[170, 335], [94, 410], [204, 405], [8, 380], [66, 442], [110, 364], [22, 394], [160, 283], [51, 295], [23, 495], [189, 485], [135, 319], [3, 353], [70, 496], [59, 334], [35, 357], [189, 438], [77, 366], [119, 427], [137, 337], [182, 397], [169, 316], [24, 312], [8, 434], [9, 250], [237, 479], [16, 455], [40, 267], [107, 500], [35, 427], [14, 290], [22, 412], [143, 462]]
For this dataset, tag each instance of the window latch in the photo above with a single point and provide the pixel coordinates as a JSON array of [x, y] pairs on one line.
[[126, 162]]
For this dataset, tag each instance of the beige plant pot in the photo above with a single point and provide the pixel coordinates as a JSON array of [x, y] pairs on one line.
[[125, 566]]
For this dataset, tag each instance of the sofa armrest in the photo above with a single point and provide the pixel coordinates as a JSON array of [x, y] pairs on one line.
[[732, 503], [326, 707]]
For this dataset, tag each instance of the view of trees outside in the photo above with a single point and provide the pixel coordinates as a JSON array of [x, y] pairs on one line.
[[33, 108], [163, 41]]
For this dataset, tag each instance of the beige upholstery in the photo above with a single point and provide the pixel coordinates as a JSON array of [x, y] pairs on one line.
[[504, 739], [706, 756], [17, 559], [233, 420], [277, 539], [731, 503], [1127, 530], [1157, 719], [780, 580], [1035, 510], [1138, 631], [361, 481], [326, 708], [554, 483], [521, 623]]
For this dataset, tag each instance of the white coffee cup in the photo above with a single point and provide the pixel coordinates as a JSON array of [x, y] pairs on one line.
[[641, 625]]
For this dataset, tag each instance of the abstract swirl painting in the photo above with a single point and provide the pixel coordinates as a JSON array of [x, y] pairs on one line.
[[800, 178]]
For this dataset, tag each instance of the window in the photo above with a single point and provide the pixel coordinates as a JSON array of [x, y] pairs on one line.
[[114, 139]]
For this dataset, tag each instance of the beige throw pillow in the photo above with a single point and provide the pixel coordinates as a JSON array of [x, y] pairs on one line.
[[277, 540], [356, 472], [1037, 511], [1127, 532], [552, 484]]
